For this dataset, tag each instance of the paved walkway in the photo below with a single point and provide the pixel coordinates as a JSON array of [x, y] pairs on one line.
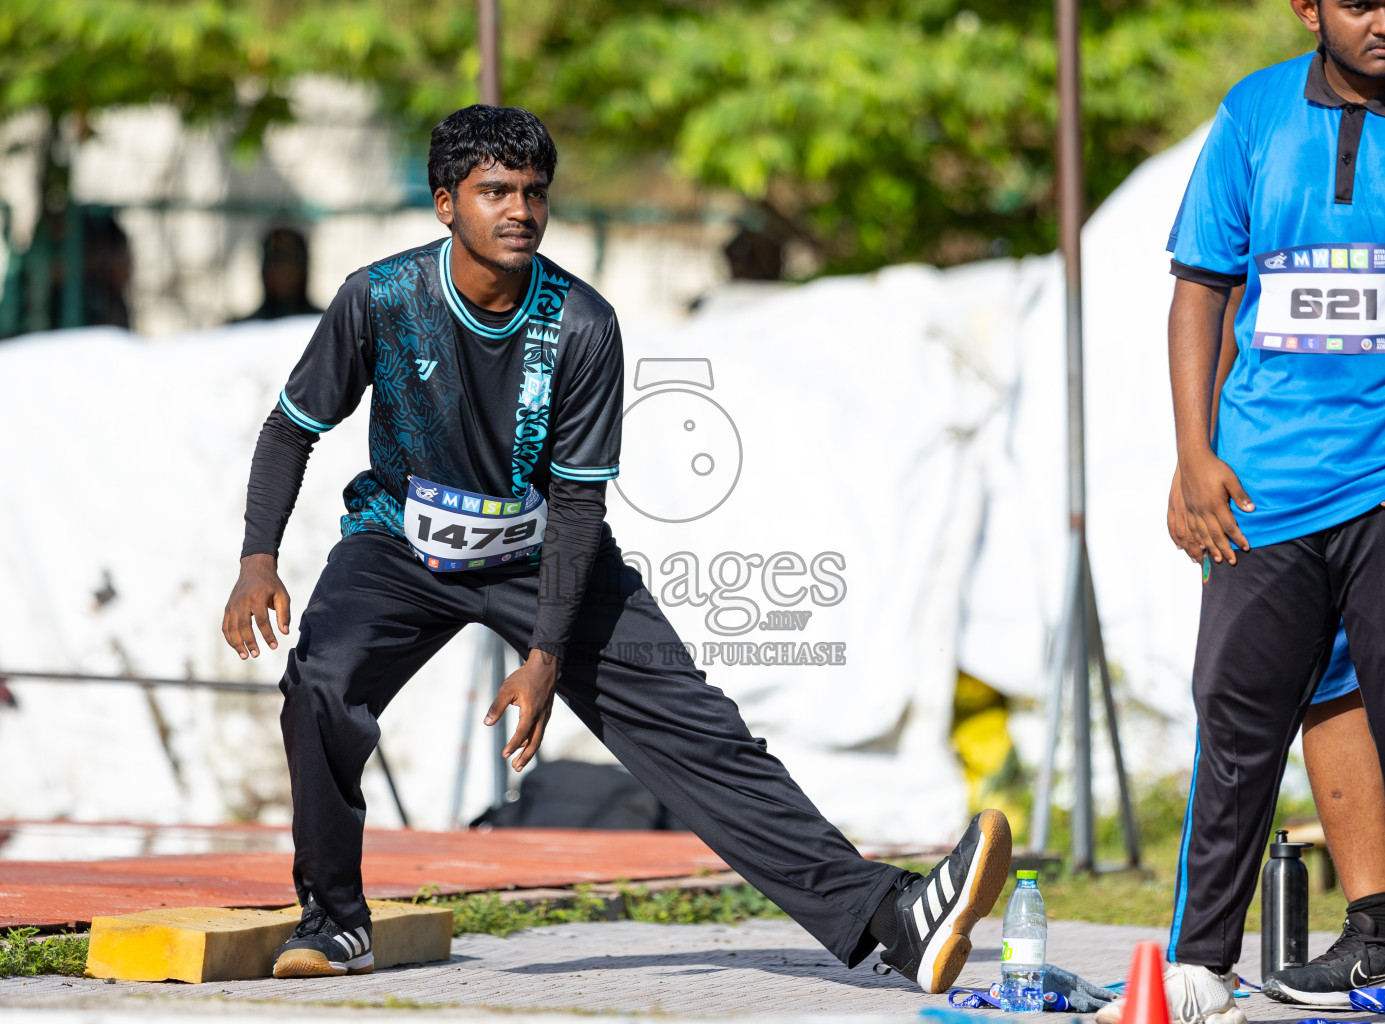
[[764, 968]]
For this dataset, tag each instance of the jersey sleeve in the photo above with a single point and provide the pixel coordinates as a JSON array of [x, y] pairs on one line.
[[586, 443], [1212, 230], [335, 369]]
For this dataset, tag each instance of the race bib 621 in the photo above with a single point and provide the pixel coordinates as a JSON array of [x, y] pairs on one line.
[[1322, 299]]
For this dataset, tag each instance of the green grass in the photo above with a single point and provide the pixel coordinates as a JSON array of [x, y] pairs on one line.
[[22, 954], [725, 907], [486, 912], [1146, 897]]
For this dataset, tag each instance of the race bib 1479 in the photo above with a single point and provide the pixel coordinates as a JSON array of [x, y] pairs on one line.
[[1322, 300], [453, 530]]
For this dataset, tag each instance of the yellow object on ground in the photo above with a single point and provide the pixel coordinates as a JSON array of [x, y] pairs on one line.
[[402, 933], [981, 739], [199, 944], [188, 944]]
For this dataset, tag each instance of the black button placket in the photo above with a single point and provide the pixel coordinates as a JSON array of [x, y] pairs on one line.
[[1348, 145]]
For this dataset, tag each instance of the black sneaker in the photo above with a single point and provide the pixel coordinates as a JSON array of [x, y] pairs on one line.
[[319, 947], [934, 914], [1355, 960]]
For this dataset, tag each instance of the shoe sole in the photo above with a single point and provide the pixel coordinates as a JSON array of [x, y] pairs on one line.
[[1113, 1012], [986, 877], [1232, 1016], [310, 963], [1281, 992]]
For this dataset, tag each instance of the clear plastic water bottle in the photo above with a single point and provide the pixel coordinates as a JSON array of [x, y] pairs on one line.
[[1023, 944]]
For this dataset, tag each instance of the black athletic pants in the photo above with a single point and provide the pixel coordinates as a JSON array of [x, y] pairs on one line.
[[378, 614], [1264, 640]]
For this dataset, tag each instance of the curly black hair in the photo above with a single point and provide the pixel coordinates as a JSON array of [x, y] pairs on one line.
[[480, 135]]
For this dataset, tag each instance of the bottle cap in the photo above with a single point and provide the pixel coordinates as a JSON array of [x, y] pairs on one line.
[[1027, 874], [1281, 847]]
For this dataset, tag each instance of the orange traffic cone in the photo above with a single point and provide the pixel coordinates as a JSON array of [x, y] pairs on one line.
[[1144, 992]]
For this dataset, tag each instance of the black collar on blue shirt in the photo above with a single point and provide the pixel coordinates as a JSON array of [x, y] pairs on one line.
[[1318, 90]]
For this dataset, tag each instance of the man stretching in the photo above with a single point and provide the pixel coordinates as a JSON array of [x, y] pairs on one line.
[[495, 418]]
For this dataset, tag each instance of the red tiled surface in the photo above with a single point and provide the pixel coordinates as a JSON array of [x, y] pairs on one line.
[[396, 864]]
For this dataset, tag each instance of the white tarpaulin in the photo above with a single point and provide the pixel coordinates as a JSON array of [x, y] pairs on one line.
[[839, 492]]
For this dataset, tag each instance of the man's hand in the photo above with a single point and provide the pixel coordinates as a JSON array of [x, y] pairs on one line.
[[530, 688], [1180, 530], [258, 589], [1209, 486]]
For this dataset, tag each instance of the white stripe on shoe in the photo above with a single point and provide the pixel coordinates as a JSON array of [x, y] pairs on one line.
[[934, 904], [921, 920], [344, 940], [945, 879]]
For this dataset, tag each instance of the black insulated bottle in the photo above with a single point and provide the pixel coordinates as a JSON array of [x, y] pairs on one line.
[[1283, 907]]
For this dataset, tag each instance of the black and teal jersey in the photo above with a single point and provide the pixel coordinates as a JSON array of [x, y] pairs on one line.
[[481, 408]]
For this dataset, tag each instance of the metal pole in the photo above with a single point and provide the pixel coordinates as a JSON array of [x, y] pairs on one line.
[[464, 754], [1132, 837], [1080, 624], [394, 792], [488, 32], [1062, 658], [1083, 833], [502, 767], [1074, 611], [1071, 208], [190, 684]]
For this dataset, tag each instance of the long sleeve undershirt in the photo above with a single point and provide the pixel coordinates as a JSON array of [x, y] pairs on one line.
[[575, 515]]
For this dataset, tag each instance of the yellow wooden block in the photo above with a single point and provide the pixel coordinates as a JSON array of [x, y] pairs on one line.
[[404, 933], [210, 944], [191, 944]]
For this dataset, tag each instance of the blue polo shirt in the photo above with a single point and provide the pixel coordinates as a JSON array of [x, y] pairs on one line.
[[1286, 197]]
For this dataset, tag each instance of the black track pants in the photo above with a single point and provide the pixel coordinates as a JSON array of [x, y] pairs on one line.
[[1264, 640], [378, 614]]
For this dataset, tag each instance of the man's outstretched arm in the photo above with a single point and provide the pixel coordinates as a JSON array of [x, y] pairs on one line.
[[1208, 483], [276, 474]]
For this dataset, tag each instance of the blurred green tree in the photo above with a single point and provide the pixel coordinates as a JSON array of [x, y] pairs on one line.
[[893, 130], [877, 131]]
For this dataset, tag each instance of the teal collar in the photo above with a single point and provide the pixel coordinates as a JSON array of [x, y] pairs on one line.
[[458, 307]]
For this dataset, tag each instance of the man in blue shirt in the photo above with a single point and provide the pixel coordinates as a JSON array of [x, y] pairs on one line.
[[1287, 503], [1339, 755]]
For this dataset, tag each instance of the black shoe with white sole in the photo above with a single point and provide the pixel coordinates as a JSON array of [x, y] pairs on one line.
[[934, 913], [1355, 960], [319, 947]]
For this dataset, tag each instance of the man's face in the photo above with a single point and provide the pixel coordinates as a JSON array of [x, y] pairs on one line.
[[1353, 34], [498, 215]]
